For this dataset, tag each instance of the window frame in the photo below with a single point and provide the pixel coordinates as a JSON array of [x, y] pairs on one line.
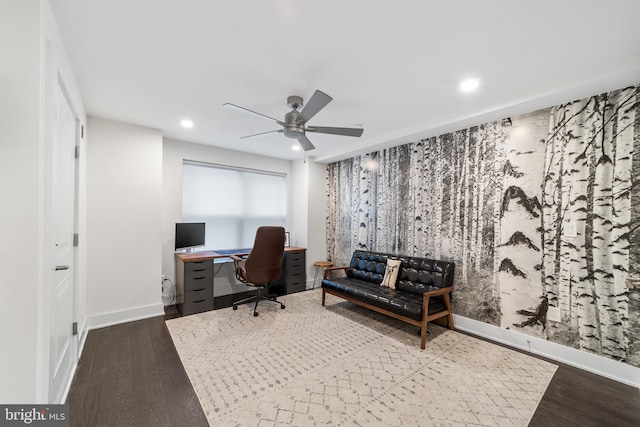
[[239, 220]]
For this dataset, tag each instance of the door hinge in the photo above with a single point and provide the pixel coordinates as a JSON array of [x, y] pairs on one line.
[[75, 240], [74, 327], [77, 152]]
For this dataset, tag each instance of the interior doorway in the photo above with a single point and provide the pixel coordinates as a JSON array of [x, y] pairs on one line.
[[63, 345]]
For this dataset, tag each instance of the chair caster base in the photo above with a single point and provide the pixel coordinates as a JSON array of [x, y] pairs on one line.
[[235, 306], [255, 313], [282, 306]]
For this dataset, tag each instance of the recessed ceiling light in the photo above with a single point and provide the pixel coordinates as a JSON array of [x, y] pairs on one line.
[[296, 147], [469, 85], [186, 123]]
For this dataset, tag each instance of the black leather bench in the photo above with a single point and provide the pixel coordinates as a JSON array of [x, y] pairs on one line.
[[421, 294]]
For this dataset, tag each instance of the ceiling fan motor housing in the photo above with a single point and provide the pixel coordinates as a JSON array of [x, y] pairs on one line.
[[291, 127]]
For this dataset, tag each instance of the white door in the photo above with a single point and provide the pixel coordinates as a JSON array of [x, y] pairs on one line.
[[62, 356]]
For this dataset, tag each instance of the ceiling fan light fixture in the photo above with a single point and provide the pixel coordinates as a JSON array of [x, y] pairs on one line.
[[296, 147], [293, 132], [186, 123]]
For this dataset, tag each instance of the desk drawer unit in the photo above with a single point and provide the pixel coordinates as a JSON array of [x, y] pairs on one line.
[[294, 272], [195, 286]]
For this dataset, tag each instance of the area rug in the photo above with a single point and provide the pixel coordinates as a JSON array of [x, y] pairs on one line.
[[342, 365]]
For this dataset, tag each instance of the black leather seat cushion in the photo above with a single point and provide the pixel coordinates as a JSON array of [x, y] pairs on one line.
[[398, 301]]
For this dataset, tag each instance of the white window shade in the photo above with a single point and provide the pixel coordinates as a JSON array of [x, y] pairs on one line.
[[232, 202]]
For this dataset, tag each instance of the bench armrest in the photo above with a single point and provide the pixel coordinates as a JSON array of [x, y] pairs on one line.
[[330, 269], [436, 292]]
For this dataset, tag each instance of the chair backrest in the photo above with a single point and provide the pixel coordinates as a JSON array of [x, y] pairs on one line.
[[264, 263], [368, 266]]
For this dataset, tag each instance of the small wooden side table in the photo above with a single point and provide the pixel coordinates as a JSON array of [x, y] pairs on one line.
[[320, 266]]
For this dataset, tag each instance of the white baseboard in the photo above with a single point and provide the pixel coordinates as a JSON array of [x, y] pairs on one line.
[[67, 387], [599, 365], [310, 283], [84, 331], [123, 316]]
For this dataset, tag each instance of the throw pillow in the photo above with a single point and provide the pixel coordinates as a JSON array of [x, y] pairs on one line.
[[391, 273]]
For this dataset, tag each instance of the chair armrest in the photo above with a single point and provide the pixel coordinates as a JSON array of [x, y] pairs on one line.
[[241, 273], [436, 292], [330, 269]]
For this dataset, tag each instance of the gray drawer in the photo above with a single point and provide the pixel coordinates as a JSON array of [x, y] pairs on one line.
[[295, 258], [198, 274], [295, 276], [296, 287], [198, 266], [197, 306], [198, 285], [295, 265], [295, 271], [199, 282], [200, 294]]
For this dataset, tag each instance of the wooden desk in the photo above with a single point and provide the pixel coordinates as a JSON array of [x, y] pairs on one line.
[[195, 279], [207, 255]]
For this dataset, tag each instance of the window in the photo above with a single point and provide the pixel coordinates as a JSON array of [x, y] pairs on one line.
[[233, 202]]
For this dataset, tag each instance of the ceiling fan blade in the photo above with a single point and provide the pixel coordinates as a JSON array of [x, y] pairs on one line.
[[305, 143], [336, 131], [317, 102], [262, 134], [246, 110]]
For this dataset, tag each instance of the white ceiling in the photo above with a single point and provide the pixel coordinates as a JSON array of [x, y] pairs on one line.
[[392, 66]]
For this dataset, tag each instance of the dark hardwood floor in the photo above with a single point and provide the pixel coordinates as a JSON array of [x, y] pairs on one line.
[[579, 398], [131, 375]]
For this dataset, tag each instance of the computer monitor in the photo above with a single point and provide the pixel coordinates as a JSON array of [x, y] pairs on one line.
[[189, 235]]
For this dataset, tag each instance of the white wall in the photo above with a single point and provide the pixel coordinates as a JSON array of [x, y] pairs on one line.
[[299, 209], [124, 230], [33, 60], [174, 153], [309, 228], [316, 216], [21, 154]]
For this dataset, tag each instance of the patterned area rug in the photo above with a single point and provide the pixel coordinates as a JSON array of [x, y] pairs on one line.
[[343, 365]]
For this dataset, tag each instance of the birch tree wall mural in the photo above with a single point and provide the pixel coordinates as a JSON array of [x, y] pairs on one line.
[[540, 212]]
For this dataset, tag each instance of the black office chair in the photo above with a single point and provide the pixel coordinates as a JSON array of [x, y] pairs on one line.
[[263, 266]]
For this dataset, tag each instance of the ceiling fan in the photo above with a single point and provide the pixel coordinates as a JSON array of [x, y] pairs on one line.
[[295, 122]]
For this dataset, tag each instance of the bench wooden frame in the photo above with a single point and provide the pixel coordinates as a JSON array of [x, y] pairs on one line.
[[426, 317]]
